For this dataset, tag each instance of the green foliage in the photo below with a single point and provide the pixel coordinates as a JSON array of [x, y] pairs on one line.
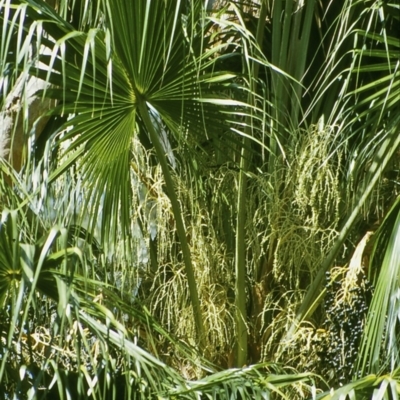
[[201, 172]]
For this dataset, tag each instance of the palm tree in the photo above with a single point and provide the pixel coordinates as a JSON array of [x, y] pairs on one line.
[[173, 86], [140, 86], [130, 79]]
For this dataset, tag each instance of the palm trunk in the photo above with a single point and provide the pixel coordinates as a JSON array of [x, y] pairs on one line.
[[16, 120], [240, 262], [240, 253], [194, 296]]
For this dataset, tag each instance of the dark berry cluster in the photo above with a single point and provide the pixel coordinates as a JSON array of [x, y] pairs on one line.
[[345, 311]]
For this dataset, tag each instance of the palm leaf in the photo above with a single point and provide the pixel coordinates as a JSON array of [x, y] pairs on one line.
[[379, 156], [381, 332]]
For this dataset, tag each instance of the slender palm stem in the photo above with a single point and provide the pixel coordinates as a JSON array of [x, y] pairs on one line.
[[240, 262], [194, 297], [240, 251]]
